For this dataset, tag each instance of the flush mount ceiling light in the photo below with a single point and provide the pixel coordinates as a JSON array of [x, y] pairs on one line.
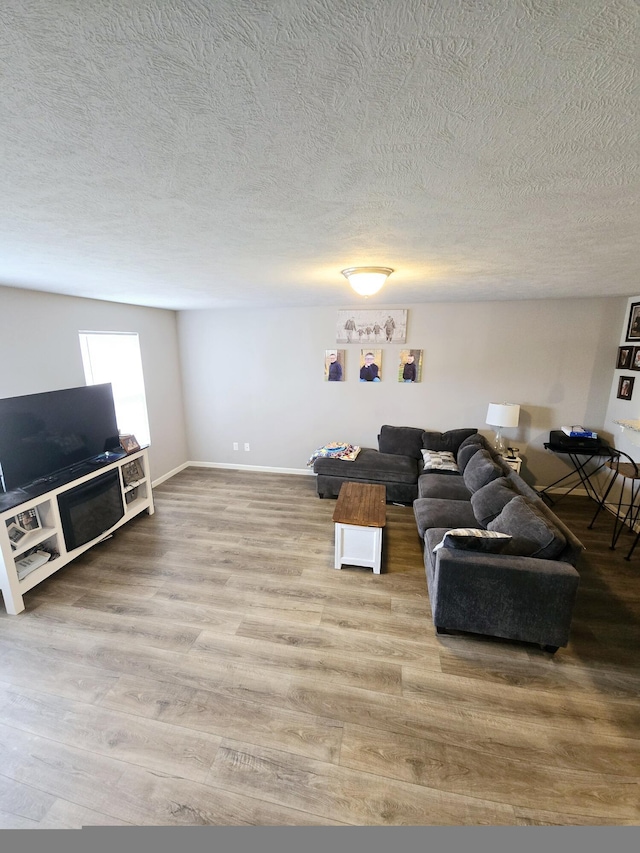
[[367, 280]]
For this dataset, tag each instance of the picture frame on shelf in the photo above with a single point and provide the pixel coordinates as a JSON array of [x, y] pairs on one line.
[[129, 443], [625, 358], [633, 326], [625, 387], [132, 472], [29, 520], [16, 534]]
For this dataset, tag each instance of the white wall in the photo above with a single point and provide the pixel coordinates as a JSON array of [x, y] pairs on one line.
[[257, 376], [40, 351], [627, 410]]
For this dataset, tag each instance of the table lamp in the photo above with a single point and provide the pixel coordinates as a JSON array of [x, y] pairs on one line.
[[502, 415]]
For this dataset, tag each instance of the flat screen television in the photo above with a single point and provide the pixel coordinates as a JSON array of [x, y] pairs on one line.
[[43, 434]]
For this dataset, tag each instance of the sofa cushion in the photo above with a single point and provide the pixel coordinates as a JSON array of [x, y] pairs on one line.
[[473, 539], [440, 461], [435, 512], [401, 441], [449, 440], [465, 454], [445, 486], [370, 466], [489, 501], [477, 438], [533, 533], [480, 470]]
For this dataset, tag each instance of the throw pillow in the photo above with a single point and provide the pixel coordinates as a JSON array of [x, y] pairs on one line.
[[489, 501], [401, 441], [440, 461], [470, 539], [449, 440], [480, 470], [532, 533]]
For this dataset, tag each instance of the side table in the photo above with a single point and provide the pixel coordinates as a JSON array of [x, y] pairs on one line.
[[514, 462]]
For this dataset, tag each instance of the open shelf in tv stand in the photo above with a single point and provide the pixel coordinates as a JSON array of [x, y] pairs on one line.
[[50, 532]]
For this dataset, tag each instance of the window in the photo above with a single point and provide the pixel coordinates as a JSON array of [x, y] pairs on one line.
[[115, 357]]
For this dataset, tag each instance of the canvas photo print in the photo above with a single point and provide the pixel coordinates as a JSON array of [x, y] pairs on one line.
[[410, 367], [370, 364], [334, 365], [372, 326]]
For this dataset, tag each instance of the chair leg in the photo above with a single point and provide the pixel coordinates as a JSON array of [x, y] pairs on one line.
[[633, 547]]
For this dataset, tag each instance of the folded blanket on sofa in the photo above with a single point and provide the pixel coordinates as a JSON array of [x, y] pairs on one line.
[[335, 450]]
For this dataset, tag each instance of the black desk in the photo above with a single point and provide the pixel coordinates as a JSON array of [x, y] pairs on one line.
[[580, 459], [612, 461]]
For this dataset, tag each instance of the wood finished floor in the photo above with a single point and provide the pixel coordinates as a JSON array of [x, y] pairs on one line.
[[207, 665]]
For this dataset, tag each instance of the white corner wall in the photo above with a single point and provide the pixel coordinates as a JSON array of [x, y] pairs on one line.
[[627, 410], [257, 376], [40, 351]]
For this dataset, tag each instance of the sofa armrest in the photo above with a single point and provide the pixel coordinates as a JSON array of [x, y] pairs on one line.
[[518, 598]]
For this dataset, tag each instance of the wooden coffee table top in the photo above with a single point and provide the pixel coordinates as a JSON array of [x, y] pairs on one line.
[[363, 504]]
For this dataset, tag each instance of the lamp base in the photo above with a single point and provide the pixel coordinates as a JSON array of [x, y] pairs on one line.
[[500, 445]]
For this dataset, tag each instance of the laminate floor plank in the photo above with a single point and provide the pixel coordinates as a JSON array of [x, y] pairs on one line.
[[342, 669], [208, 665], [358, 644], [28, 667], [220, 713], [353, 798], [153, 631], [126, 737], [130, 793], [487, 776], [66, 815], [571, 704], [175, 613]]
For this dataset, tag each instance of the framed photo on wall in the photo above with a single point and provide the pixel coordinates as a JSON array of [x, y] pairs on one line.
[[625, 357], [625, 387], [372, 326], [370, 362], [633, 327], [410, 367], [634, 363], [334, 365]]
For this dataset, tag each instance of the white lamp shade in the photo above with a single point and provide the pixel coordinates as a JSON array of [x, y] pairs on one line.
[[367, 280], [503, 414]]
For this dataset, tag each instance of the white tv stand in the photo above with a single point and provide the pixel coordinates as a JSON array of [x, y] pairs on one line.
[[137, 497]]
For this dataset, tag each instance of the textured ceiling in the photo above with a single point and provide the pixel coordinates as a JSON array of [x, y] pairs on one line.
[[211, 153]]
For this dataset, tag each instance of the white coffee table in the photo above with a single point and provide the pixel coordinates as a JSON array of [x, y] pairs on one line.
[[359, 516]]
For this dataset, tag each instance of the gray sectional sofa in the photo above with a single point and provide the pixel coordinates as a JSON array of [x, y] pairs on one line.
[[396, 464], [512, 574], [508, 570]]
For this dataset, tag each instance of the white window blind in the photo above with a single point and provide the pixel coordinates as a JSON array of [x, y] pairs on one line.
[[115, 357]]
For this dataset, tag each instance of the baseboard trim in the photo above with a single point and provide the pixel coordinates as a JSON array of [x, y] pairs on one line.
[[264, 468], [580, 492], [169, 474]]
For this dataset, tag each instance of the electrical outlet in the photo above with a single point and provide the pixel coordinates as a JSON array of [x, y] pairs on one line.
[[246, 445], [235, 445]]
